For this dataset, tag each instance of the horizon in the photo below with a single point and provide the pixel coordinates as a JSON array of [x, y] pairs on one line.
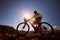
[[55, 28]]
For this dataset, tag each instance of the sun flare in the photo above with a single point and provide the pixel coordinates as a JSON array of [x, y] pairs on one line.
[[26, 14]]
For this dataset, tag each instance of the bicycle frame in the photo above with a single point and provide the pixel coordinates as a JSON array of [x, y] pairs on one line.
[[26, 20]]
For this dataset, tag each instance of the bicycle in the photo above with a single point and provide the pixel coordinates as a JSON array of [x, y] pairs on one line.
[[46, 29]]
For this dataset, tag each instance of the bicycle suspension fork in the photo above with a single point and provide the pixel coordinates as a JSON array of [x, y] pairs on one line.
[[24, 25]]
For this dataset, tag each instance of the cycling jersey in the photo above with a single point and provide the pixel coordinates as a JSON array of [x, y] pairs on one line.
[[37, 16]]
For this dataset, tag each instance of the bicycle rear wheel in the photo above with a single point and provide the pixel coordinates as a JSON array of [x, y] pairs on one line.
[[22, 28], [46, 29]]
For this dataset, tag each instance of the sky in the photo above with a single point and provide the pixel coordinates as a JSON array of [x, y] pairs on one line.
[[12, 11]]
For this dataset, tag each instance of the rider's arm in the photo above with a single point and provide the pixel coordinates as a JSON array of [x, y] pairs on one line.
[[32, 17]]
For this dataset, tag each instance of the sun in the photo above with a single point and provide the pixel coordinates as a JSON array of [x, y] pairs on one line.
[[26, 14]]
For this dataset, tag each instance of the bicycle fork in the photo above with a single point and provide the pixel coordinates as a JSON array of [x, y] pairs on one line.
[[24, 26]]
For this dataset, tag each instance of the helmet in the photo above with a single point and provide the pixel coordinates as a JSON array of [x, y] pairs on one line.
[[35, 11]]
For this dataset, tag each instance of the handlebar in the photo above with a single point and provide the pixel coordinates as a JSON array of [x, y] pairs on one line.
[[26, 20]]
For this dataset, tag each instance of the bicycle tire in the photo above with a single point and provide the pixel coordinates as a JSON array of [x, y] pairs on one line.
[[18, 27], [40, 29]]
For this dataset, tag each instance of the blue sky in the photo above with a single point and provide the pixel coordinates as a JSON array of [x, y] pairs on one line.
[[11, 12]]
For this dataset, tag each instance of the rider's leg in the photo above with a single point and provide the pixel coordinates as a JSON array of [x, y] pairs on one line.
[[38, 24], [35, 27]]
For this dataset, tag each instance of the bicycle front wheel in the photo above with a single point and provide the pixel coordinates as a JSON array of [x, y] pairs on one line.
[[22, 28], [46, 29]]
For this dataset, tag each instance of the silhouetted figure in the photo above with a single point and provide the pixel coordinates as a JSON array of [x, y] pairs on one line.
[[38, 17]]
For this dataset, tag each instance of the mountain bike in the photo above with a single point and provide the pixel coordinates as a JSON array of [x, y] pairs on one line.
[[46, 29]]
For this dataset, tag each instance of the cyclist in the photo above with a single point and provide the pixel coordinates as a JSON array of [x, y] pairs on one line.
[[37, 17]]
